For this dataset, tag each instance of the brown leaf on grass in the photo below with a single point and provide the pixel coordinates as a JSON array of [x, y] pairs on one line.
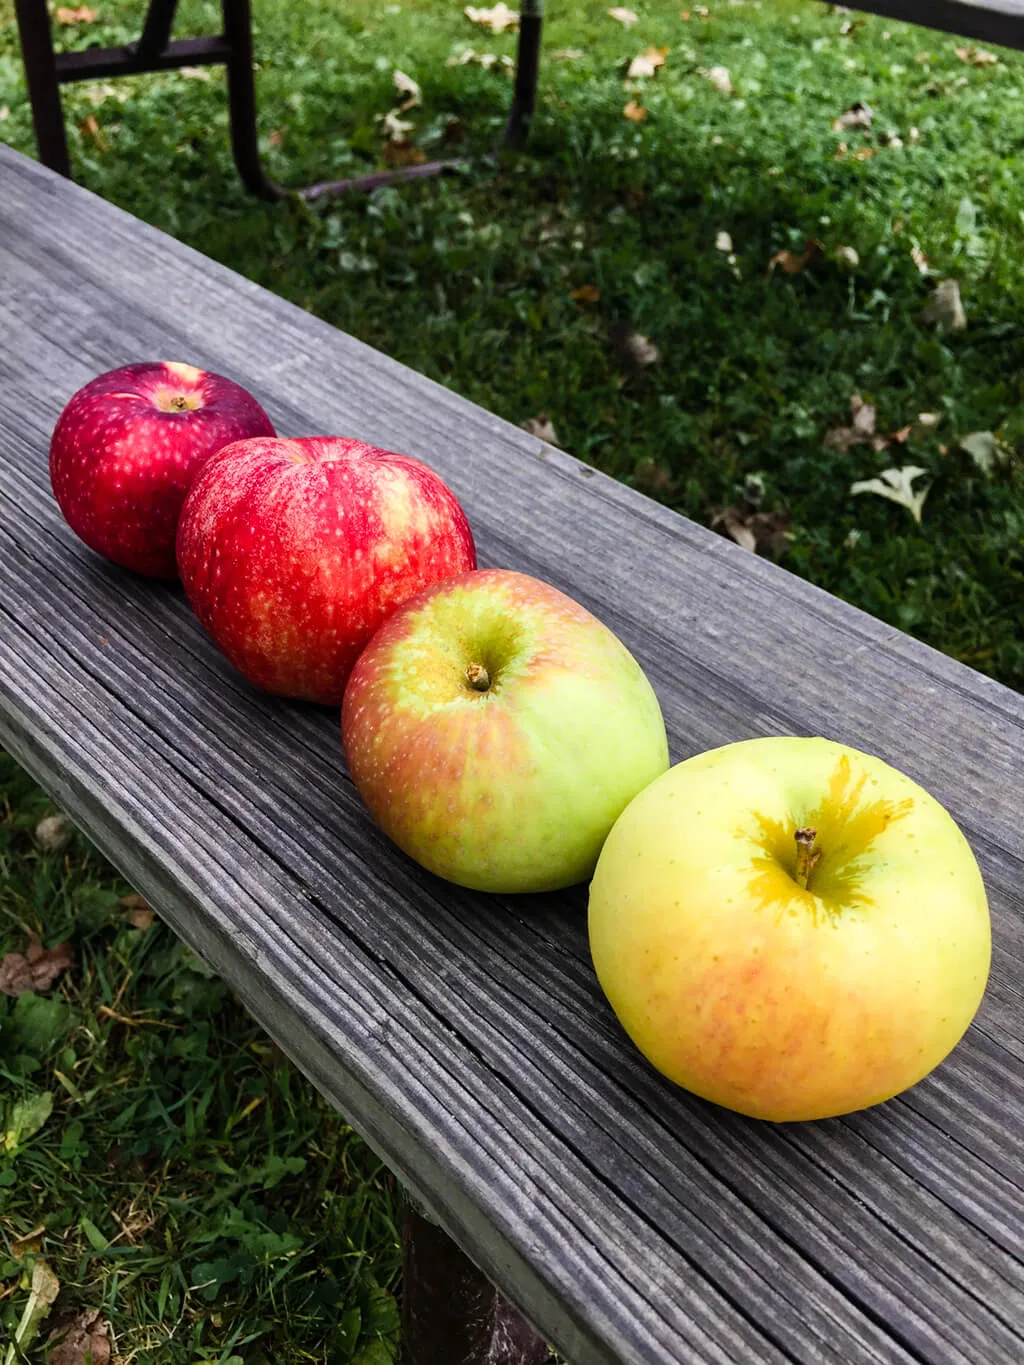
[[138, 911], [403, 154], [945, 307], [90, 128], [977, 56], [920, 260], [792, 263], [34, 970], [497, 19], [857, 116], [636, 112], [861, 430], [29, 1245], [276, 138], [623, 15], [634, 351], [646, 64], [53, 833], [82, 15], [84, 1341], [720, 79], [395, 127], [587, 293], [408, 89], [863, 154], [488, 60], [763, 533], [542, 427]]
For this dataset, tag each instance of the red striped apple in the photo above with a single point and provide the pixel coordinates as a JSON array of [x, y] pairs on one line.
[[495, 730], [127, 447], [292, 553], [790, 927]]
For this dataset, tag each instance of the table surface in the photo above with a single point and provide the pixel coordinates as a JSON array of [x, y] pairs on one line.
[[991, 21], [465, 1037]]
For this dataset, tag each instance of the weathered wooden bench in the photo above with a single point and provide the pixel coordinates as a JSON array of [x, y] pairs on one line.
[[465, 1036]]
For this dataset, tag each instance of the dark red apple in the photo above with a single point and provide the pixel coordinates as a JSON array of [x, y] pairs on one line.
[[293, 552], [127, 447]]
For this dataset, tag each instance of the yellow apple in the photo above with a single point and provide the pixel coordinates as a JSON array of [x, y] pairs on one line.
[[790, 928]]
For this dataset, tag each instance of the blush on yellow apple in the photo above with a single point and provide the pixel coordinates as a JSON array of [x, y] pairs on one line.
[[496, 730], [790, 928]]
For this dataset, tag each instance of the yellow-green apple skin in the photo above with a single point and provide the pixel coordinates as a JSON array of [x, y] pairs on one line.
[[774, 998], [496, 730]]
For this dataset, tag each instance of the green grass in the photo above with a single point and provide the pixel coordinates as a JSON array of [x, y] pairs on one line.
[[470, 280], [190, 1183]]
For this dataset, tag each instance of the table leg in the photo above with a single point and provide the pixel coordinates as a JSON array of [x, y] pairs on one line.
[[43, 86], [524, 98], [451, 1313]]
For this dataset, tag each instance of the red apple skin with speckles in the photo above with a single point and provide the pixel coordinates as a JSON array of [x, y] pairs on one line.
[[293, 552], [126, 449]]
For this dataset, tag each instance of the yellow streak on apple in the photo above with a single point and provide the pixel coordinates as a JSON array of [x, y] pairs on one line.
[[774, 999]]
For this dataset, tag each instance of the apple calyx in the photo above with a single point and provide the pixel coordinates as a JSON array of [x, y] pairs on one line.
[[478, 677], [807, 856], [179, 403]]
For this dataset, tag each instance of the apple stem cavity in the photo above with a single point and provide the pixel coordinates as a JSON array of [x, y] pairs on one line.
[[179, 403], [807, 856], [478, 677]]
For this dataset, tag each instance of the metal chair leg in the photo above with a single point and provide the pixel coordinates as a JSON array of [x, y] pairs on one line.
[[43, 85], [524, 98]]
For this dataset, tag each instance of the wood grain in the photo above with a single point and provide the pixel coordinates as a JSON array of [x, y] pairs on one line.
[[990, 21], [465, 1036]]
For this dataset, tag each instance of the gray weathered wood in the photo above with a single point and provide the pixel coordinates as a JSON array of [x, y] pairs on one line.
[[465, 1036], [989, 21]]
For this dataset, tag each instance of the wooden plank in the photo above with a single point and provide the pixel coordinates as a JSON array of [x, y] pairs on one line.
[[465, 1036], [989, 21]]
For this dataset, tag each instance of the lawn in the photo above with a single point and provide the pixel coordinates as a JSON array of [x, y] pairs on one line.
[[520, 282]]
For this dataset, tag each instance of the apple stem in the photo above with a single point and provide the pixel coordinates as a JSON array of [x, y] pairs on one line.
[[807, 856], [478, 677]]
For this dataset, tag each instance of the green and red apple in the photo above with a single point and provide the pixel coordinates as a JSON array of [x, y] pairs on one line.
[[496, 730], [790, 928]]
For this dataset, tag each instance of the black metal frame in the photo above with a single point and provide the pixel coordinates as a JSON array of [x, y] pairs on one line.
[[46, 71]]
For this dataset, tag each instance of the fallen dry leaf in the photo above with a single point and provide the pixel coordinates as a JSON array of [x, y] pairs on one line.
[[407, 87], [945, 307], [5, 112], [138, 911], [764, 533], [792, 263], [847, 256], [196, 73], [637, 352], [857, 116], [863, 154], [929, 419], [861, 430], [29, 1245], [566, 54], [646, 64], [403, 154], [53, 833], [83, 1342], [977, 56], [624, 16], [90, 128], [45, 1288], [34, 970], [587, 293], [497, 19], [898, 486], [723, 242], [395, 127], [720, 79], [920, 260], [276, 138], [635, 112], [82, 15], [985, 450], [488, 60], [542, 427]]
